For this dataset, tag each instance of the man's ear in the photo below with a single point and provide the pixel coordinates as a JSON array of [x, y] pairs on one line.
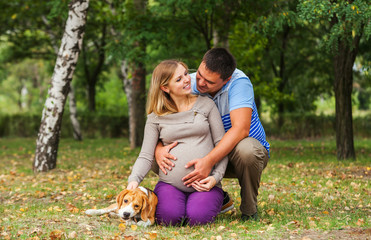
[[165, 89]]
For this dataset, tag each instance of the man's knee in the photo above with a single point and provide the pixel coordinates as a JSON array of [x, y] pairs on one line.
[[244, 152], [249, 153]]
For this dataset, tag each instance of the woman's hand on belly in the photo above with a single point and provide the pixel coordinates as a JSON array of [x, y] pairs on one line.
[[205, 184]]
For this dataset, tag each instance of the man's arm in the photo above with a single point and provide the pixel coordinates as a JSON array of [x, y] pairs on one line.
[[163, 157], [241, 120]]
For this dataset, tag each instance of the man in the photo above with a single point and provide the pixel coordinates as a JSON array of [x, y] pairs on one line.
[[244, 141]]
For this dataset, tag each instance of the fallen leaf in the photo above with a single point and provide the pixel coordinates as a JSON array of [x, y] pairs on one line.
[[58, 209], [56, 234], [271, 212], [36, 231], [312, 224], [72, 235], [122, 227], [134, 227], [360, 222], [152, 235], [221, 228], [271, 197], [329, 183]]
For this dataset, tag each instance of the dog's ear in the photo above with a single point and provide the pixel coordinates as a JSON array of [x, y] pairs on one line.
[[120, 198], [146, 207]]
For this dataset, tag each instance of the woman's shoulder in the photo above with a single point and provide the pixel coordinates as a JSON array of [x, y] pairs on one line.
[[204, 104], [151, 117], [205, 100]]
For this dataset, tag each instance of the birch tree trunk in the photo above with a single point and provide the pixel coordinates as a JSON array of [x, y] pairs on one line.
[[48, 137], [77, 135]]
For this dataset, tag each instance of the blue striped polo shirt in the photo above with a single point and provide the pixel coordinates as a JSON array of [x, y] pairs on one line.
[[237, 93]]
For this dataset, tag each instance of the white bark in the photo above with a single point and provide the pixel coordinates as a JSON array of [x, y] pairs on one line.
[[71, 96], [126, 82], [48, 137]]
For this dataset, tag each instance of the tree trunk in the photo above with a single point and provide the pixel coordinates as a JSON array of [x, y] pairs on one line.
[[72, 100], [126, 83], [137, 105], [48, 137], [73, 115], [91, 95], [92, 75], [343, 85], [135, 88]]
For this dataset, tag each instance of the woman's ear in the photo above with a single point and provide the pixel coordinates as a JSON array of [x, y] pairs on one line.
[[165, 89]]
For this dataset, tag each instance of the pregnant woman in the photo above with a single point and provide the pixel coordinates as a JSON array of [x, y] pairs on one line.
[[194, 122]]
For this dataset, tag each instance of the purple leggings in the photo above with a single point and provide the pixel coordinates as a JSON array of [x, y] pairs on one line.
[[175, 206]]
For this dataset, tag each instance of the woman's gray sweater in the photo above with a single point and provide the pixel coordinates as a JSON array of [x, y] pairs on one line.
[[197, 132]]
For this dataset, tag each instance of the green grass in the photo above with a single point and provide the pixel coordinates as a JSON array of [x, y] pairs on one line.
[[304, 191]]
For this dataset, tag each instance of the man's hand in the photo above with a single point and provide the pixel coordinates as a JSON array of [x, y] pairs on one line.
[[204, 185], [132, 185], [202, 170], [163, 157]]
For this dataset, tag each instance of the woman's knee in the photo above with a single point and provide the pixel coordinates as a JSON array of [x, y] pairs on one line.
[[169, 217], [203, 207], [171, 204]]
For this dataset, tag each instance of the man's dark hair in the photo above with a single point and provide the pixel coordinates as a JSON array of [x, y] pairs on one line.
[[221, 61]]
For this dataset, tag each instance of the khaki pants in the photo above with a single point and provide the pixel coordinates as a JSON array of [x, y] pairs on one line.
[[246, 163]]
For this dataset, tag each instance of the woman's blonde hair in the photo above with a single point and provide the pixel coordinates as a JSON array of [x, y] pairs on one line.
[[158, 101]]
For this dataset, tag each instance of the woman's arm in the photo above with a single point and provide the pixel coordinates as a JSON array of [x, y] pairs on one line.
[[145, 159]]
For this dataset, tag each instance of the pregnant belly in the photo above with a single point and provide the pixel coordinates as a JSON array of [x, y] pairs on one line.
[[183, 155]]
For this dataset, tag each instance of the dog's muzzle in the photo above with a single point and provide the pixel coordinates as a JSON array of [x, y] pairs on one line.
[[126, 215]]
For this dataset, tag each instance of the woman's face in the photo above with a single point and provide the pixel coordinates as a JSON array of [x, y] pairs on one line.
[[180, 83]]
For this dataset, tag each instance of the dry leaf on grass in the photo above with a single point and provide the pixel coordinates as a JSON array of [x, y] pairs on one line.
[[56, 234]]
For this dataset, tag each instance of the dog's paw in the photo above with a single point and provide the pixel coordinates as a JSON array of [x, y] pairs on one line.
[[144, 223], [130, 222]]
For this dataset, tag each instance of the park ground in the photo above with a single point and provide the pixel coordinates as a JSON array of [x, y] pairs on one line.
[[305, 193]]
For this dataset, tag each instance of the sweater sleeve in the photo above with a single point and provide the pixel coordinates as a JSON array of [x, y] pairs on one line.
[[146, 156], [217, 132]]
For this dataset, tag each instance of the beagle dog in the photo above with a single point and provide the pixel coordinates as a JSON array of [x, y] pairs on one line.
[[137, 206]]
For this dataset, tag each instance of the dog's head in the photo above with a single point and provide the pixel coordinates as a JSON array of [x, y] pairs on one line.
[[133, 202]]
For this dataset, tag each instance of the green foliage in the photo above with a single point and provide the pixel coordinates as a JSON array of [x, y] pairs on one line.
[[24, 87], [184, 30], [286, 72], [110, 96], [343, 19]]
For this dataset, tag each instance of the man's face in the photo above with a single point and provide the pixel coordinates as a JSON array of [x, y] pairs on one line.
[[207, 81]]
